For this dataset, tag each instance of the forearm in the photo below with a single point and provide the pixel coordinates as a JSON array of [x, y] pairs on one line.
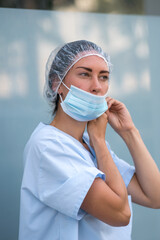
[[106, 164], [108, 201], [147, 172]]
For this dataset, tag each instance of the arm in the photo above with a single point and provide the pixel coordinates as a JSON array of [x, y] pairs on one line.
[[107, 201], [145, 185]]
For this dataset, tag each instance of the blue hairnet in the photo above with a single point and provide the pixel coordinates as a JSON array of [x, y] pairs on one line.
[[62, 59]]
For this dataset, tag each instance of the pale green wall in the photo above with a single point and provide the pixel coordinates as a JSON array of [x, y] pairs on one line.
[[26, 39]]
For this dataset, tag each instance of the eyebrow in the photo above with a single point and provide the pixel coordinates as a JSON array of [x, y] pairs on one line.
[[90, 70]]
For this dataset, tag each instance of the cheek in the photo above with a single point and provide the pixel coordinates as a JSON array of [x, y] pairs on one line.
[[77, 82], [105, 87], [70, 80]]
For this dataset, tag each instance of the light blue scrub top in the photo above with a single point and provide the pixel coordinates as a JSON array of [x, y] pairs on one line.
[[58, 172]]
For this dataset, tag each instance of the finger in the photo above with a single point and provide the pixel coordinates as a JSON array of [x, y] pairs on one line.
[[108, 98], [110, 102], [114, 103]]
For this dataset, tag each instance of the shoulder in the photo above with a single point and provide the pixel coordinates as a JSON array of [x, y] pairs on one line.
[[45, 136], [49, 142], [40, 138]]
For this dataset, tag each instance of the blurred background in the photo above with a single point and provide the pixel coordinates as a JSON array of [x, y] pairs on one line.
[[142, 7], [129, 30]]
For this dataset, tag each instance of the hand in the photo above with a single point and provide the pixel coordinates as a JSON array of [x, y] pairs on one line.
[[118, 116], [97, 128]]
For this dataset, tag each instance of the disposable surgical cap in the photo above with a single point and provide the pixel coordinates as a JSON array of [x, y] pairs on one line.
[[62, 59]]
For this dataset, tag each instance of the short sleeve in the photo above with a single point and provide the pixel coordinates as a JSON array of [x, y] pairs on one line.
[[65, 178]]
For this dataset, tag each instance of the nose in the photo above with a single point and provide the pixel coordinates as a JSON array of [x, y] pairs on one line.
[[95, 85]]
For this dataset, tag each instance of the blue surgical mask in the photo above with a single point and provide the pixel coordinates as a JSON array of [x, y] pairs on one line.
[[83, 106]]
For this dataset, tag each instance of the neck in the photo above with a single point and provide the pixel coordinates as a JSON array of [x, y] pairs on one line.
[[68, 125]]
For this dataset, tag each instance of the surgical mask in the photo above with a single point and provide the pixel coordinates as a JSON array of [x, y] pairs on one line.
[[83, 106]]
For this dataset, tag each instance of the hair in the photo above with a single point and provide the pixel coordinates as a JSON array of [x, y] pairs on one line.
[[56, 105]]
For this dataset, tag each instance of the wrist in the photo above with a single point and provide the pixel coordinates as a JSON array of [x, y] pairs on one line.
[[130, 135], [98, 143]]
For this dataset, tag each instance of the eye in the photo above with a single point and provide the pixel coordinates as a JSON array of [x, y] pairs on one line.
[[84, 74], [104, 77]]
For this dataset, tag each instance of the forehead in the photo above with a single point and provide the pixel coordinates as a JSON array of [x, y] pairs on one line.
[[92, 62]]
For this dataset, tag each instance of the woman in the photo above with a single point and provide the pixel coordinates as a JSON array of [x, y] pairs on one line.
[[74, 186]]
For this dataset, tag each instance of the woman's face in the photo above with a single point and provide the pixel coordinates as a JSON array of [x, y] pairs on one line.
[[90, 74]]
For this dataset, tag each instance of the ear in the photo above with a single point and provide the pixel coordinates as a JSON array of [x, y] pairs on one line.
[[60, 90]]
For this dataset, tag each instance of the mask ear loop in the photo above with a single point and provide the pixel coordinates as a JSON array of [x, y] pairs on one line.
[[60, 97], [67, 88]]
